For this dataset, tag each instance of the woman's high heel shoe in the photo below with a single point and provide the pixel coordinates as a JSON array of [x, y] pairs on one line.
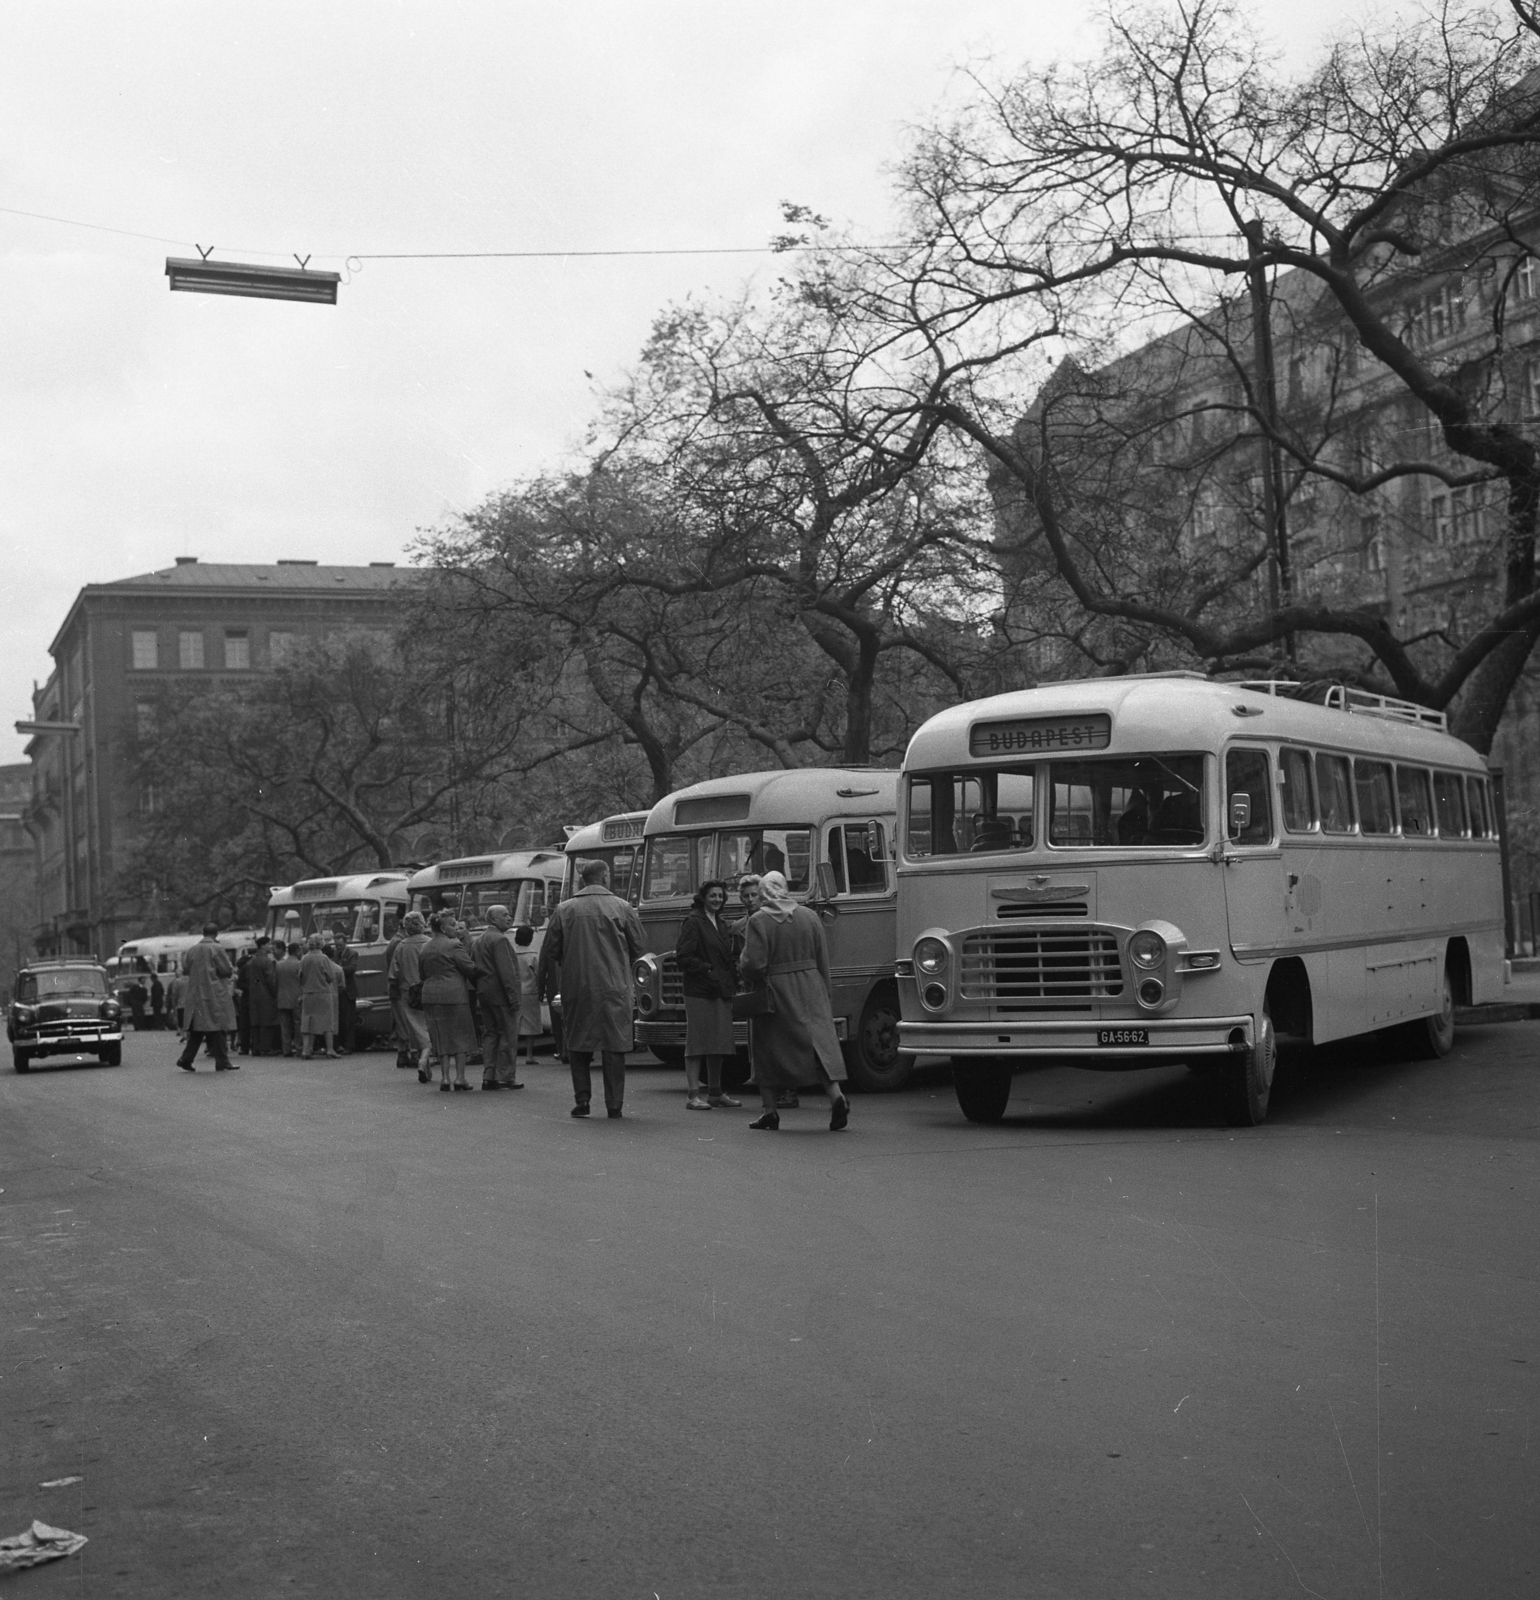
[[770, 1121]]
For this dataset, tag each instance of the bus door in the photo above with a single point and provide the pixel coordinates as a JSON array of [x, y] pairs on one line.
[[862, 931], [1252, 860]]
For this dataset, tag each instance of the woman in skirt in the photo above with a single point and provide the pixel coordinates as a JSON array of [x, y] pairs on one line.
[[707, 960], [447, 973], [795, 1044]]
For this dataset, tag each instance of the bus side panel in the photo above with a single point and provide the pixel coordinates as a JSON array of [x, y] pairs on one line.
[[1338, 1001], [860, 939], [1487, 952]]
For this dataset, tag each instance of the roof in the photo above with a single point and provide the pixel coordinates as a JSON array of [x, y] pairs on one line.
[[546, 863], [624, 827], [1159, 712], [781, 797], [289, 575]]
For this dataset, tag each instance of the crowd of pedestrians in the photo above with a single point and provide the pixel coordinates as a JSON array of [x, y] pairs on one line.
[[453, 993]]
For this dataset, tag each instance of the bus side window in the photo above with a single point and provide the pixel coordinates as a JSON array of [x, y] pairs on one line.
[[837, 857], [1480, 816], [1416, 802], [1298, 798], [1334, 786], [1376, 799], [392, 920], [1246, 774], [1449, 798]]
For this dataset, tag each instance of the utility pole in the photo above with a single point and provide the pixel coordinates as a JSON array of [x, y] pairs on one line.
[[1266, 377]]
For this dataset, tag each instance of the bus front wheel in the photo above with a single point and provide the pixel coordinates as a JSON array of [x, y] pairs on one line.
[[873, 1059], [983, 1087], [1249, 1080]]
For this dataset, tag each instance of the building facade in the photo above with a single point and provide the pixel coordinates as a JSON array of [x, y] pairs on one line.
[[121, 645]]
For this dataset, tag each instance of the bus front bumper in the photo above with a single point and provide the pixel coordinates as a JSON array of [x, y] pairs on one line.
[[671, 1033], [1081, 1040]]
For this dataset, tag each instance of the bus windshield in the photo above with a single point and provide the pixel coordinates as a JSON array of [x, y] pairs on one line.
[[678, 863], [359, 920], [1097, 802], [525, 899]]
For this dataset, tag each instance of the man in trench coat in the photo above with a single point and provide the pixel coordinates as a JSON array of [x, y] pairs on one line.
[[207, 1003], [595, 937], [498, 989]]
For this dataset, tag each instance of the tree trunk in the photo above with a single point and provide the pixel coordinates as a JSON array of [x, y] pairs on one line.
[[1485, 696]]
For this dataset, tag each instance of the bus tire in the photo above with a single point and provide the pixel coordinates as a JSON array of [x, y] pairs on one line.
[[983, 1087], [873, 1060], [1248, 1082], [671, 1055], [110, 1055], [1431, 1038]]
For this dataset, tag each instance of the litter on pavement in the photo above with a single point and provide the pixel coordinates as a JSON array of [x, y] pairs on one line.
[[38, 1544]]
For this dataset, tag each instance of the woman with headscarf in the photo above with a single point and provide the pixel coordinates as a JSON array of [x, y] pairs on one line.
[[448, 974], [707, 967], [795, 1043]]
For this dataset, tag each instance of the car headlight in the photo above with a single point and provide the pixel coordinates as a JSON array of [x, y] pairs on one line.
[[1147, 949], [931, 955]]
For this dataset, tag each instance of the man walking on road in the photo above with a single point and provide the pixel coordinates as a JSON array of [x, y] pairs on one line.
[[595, 937], [498, 990], [207, 1001]]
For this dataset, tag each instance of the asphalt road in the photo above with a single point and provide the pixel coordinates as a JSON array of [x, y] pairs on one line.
[[320, 1330]]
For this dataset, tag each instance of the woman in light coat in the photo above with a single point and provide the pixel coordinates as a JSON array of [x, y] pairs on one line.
[[317, 998], [794, 1045], [405, 975], [448, 976]]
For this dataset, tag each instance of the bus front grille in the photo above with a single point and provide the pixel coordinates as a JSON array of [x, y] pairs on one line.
[[1040, 967], [672, 998]]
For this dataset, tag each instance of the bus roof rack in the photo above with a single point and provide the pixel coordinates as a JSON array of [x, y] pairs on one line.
[[1360, 702]]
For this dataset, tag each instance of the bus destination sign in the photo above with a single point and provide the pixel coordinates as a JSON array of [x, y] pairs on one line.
[[1035, 736]]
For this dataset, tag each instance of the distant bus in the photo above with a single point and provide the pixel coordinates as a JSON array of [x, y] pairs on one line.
[[137, 959], [1126, 872], [617, 842], [830, 831], [366, 908]]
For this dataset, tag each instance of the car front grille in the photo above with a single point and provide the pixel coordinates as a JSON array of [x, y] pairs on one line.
[[1035, 967]]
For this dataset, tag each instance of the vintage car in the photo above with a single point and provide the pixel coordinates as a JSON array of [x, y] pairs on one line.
[[63, 1006]]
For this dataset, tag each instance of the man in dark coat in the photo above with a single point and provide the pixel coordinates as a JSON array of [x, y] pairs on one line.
[[596, 938], [262, 998], [157, 1001], [499, 991], [242, 1004], [286, 999], [208, 1005], [346, 957]]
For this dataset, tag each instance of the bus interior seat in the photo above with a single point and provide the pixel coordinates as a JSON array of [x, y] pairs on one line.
[[1178, 820], [991, 833]]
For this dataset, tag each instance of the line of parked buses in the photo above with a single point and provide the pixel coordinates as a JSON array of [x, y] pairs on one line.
[[1117, 873]]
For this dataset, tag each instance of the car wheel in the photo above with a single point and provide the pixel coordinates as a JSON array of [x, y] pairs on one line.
[[20, 1059], [983, 1087], [1248, 1082], [875, 1063], [111, 1056]]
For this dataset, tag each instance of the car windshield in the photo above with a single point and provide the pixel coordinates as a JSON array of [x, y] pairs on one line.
[[59, 983]]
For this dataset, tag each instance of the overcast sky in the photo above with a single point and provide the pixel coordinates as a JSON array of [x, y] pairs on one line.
[[137, 425]]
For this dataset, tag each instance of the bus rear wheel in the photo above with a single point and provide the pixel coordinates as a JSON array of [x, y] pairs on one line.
[[1431, 1038], [875, 1063], [983, 1087], [1248, 1081]]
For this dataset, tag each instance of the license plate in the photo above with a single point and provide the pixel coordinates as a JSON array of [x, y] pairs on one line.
[[1122, 1036]]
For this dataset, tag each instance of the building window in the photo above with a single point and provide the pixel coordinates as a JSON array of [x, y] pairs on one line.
[[146, 650], [1439, 506], [237, 651], [1373, 544], [149, 801], [280, 648], [1532, 388], [1526, 279], [144, 719], [189, 650]]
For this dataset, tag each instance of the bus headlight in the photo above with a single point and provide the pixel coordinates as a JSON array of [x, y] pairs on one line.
[[931, 955], [934, 996], [1151, 992], [1147, 949], [643, 968]]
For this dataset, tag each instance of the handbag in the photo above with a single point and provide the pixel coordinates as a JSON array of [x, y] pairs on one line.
[[414, 996], [753, 1003]]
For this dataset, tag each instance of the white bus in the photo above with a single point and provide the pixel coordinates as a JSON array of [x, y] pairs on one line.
[[830, 831], [1126, 872], [161, 953], [617, 841], [366, 907]]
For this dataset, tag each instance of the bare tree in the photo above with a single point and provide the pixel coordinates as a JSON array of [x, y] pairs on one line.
[[1384, 205]]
